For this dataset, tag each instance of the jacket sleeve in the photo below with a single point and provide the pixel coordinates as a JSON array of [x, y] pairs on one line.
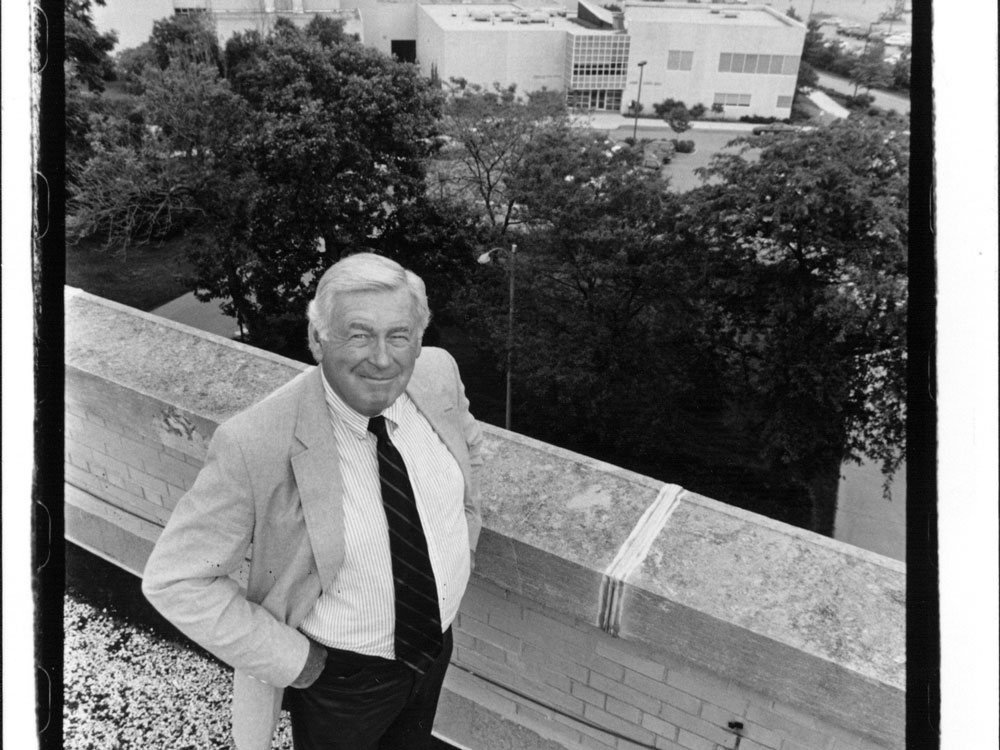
[[188, 577], [474, 441]]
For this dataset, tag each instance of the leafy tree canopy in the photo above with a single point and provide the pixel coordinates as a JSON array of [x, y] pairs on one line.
[[870, 69], [806, 245], [333, 146], [87, 51], [190, 37], [494, 129], [592, 263]]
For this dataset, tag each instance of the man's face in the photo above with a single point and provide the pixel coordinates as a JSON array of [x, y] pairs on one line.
[[371, 348]]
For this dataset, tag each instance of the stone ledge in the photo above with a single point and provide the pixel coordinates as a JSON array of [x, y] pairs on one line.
[[806, 620]]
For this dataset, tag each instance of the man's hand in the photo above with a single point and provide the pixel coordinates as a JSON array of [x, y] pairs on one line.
[[315, 663]]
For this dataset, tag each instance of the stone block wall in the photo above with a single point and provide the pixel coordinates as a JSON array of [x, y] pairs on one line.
[[607, 610]]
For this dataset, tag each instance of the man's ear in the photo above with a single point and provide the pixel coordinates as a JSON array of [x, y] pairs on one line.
[[315, 343]]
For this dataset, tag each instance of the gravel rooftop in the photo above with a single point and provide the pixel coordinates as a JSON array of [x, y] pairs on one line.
[[130, 680]]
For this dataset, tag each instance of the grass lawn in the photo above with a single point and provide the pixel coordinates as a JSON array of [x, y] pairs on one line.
[[147, 277]]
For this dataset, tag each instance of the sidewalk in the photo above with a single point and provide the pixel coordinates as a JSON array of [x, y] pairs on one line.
[[828, 105], [615, 121]]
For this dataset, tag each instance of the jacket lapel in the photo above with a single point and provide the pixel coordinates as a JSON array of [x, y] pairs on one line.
[[317, 475], [439, 410]]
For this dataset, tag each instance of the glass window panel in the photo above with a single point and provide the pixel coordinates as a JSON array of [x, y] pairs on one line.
[[750, 65], [725, 62], [791, 66], [686, 59], [776, 62], [744, 100], [738, 58], [719, 99], [763, 63], [784, 102]]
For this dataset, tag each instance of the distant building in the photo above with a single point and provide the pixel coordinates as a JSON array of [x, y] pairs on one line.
[[743, 58]]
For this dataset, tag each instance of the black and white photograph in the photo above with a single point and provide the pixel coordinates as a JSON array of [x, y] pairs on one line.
[[471, 375]]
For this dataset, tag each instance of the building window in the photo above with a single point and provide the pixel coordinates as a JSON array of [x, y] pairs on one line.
[[784, 102], [679, 60], [597, 63], [791, 66], [600, 69], [609, 100], [735, 62], [732, 100]]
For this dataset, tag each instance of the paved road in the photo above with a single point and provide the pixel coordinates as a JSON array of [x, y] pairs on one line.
[[883, 99], [864, 517], [205, 316]]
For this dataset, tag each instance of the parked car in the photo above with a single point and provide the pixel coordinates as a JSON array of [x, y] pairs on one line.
[[774, 127], [858, 32]]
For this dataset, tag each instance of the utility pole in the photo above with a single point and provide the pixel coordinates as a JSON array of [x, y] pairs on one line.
[[638, 100]]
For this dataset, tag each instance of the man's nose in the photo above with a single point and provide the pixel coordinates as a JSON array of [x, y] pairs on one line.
[[379, 356]]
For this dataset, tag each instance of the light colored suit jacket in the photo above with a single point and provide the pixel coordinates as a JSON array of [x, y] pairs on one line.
[[271, 483]]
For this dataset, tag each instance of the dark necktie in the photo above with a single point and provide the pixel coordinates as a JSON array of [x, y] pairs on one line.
[[418, 639]]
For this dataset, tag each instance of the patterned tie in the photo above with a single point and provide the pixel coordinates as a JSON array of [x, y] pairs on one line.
[[418, 617]]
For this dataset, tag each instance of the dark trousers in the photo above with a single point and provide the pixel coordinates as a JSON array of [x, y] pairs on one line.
[[367, 703]]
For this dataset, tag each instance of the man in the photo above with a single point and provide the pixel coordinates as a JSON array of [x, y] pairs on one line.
[[354, 488]]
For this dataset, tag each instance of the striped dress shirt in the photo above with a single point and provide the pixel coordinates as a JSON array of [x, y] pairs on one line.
[[359, 613]]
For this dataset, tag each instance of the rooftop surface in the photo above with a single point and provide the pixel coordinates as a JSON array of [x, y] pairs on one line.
[[706, 14], [498, 17]]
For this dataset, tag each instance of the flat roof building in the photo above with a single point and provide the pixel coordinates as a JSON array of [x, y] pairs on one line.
[[742, 58]]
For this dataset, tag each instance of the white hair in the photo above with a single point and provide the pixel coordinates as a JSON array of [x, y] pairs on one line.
[[362, 272]]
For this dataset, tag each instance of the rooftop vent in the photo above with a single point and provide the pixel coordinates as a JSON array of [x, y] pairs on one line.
[[480, 16]]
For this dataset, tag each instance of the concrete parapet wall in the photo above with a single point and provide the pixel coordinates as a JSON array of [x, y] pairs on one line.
[[607, 610]]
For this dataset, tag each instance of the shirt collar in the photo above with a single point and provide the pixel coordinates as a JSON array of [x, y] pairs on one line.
[[354, 420]]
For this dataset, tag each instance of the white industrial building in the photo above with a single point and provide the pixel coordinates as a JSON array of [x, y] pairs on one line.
[[744, 58]]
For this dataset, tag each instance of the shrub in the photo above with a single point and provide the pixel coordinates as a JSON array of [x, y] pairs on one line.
[[697, 111], [861, 101], [683, 147]]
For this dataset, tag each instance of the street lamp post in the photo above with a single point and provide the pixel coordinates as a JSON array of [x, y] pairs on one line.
[[638, 100], [511, 261]]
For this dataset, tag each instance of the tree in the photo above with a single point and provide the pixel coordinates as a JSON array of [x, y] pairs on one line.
[[87, 51], [87, 65], [870, 69], [495, 128], [151, 173], [901, 70], [813, 46], [335, 138], [599, 360], [190, 37], [675, 113], [193, 108], [805, 248], [807, 78]]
